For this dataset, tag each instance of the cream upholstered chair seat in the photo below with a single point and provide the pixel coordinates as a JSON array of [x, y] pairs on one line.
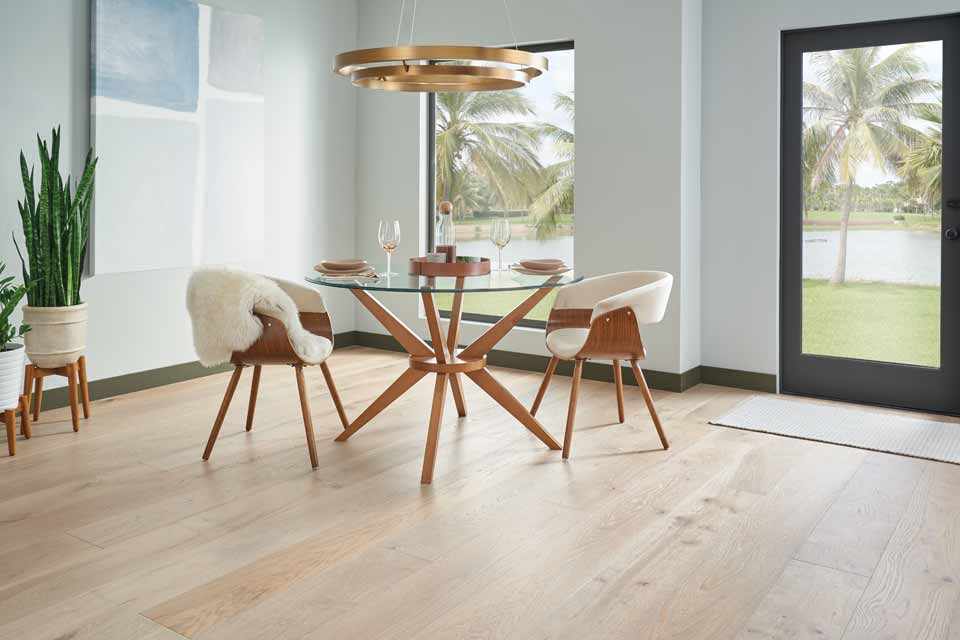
[[566, 343], [601, 318]]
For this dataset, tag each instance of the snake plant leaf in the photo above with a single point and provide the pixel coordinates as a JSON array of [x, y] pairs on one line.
[[56, 232], [43, 226], [30, 200]]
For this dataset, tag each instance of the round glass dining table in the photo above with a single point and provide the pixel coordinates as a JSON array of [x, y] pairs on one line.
[[442, 355]]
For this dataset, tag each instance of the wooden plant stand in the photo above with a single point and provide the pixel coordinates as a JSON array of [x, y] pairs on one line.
[[76, 375], [10, 418]]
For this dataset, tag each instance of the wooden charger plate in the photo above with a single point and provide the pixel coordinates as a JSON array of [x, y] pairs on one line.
[[540, 272], [342, 265], [542, 264]]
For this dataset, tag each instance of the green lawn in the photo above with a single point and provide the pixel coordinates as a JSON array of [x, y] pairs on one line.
[[872, 321], [872, 220], [498, 304]]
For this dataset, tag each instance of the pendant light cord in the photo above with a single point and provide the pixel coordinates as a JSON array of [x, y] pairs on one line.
[[400, 21], [513, 34], [413, 23]]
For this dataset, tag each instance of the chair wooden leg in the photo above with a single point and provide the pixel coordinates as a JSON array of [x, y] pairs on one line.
[[328, 378], [307, 420], [72, 388], [618, 379], [231, 387], [8, 418], [551, 367], [38, 397], [648, 398], [433, 432], [84, 387], [254, 388], [572, 409], [25, 428]]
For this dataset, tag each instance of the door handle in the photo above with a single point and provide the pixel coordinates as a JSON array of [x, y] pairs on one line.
[[953, 204], [951, 233]]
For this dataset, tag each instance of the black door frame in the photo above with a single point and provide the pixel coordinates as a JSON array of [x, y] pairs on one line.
[[907, 386]]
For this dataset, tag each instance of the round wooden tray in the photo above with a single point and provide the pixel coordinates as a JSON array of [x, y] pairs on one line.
[[421, 267]]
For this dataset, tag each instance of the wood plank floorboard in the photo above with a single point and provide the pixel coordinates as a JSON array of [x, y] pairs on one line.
[[120, 531]]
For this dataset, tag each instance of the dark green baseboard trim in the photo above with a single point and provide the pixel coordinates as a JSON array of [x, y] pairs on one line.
[[739, 379], [128, 383], [677, 382]]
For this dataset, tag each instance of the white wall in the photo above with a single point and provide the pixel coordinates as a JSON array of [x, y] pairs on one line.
[[630, 132], [690, 159], [741, 97], [138, 320]]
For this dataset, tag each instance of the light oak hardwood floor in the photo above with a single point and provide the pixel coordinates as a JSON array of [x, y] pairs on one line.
[[120, 531]]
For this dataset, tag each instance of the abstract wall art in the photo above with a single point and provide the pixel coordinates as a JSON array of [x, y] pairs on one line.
[[178, 125]]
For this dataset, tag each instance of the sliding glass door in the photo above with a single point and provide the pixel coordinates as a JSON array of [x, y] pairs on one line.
[[870, 213]]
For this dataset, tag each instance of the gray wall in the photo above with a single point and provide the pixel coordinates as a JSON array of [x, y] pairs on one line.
[[138, 320], [741, 94], [632, 81]]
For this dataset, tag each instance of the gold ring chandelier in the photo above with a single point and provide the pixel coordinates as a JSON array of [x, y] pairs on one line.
[[445, 68]]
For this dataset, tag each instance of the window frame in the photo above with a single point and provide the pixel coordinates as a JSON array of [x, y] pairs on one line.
[[431, 182]]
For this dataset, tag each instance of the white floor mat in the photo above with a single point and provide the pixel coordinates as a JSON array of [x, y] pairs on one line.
[[863, 429]]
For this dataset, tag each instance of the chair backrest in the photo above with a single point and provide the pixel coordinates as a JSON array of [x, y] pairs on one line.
[[646, 292], [307, 299], [226, 309]]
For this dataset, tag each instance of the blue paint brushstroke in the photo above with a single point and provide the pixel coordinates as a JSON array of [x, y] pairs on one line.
[[147, 52]]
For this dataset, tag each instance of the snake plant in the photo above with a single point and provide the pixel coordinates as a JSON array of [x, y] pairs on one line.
[[55, 228]]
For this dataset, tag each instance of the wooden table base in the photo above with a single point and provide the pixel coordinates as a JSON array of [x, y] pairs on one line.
[[448, 365], [76, 375]]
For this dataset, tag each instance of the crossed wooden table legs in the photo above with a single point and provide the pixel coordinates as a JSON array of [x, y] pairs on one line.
[[444, 360]]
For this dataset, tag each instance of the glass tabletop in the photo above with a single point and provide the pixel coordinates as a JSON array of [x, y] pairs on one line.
[[495, 281]]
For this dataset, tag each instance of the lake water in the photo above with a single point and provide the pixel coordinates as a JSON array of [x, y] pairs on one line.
[[908, 257]]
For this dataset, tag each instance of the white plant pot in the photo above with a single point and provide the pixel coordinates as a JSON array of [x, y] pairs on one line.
[[57, 336], [11, 376]]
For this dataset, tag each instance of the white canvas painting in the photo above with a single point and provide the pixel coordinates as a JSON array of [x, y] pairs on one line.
[[178, 125]]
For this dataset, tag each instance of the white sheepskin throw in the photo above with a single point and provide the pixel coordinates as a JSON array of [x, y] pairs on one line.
[[221, 303]]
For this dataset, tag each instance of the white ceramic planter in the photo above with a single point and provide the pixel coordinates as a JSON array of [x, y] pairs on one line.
[[57, 336], [11, 376]]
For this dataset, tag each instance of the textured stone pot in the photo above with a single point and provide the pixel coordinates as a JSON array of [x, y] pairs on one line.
[[11, 375], [57, 336]]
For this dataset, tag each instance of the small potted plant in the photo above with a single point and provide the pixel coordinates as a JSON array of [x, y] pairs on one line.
[[11, 353], [56, 225]]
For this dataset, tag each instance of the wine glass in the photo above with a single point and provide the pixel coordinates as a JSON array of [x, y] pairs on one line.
[[500, 236], [389, 237]]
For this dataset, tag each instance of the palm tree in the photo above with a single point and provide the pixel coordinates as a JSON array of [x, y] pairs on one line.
[[815, 141], [556, 198], [923, 165], [860, 106], [472, 141]]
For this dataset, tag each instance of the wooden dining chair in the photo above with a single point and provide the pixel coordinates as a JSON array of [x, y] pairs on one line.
[[273, 348], [601, 318]]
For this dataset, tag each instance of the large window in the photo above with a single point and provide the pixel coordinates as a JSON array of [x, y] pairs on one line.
[[508, 154]]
